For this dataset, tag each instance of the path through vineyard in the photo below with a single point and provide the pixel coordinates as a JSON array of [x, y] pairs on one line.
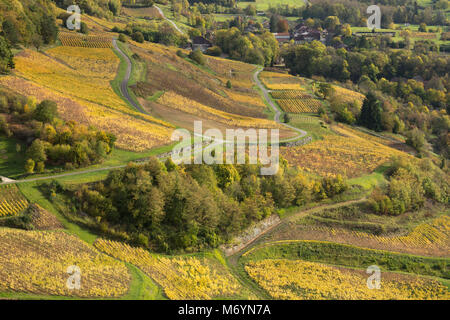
[[233, 259], [125, 93], [124, 84], [266, 95]]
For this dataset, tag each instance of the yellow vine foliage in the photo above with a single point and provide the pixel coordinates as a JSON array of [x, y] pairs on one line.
[[81, 72], [283, 86], [300, 105], [173, 100], [348, 96], [79, 81], [37, 262], [12, 202], [269, 74], [348, 154], [92, 41], [290, 94], [429, 238], [245, 98], [299, 280], [282, 81], [181, 277]]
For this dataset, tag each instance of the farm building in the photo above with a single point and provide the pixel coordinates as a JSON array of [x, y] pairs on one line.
[[282, 37], [201, 43]]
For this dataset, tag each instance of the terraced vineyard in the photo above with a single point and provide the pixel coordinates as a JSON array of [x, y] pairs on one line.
[[290, 94], [189, 106], [297, 279], [299, 105], [85, 41], [80, 82], [427, 239], [349, 155], [37, 262], [424, 35], [12, 202], [181, 277], [283, 86]]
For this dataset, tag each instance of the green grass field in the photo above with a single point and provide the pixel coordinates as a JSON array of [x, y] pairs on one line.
[[315, 127], [413, 28], [11, 162]]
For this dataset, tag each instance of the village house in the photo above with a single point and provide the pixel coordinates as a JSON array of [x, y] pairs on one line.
[[201, 43], [302, 34], [282, 37]]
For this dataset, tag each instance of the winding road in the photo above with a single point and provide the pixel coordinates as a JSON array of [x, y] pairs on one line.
[[125, 93], [125, 81]]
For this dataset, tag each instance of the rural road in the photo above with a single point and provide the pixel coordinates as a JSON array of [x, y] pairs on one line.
[[168, 20], [266, 94], [124, 84], [61, 175], [124, 91]]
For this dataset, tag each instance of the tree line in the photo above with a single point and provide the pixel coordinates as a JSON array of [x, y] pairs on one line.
[[190, 207]]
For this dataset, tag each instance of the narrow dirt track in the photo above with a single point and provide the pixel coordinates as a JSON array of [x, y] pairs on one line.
[[266, 94], [168, 20]]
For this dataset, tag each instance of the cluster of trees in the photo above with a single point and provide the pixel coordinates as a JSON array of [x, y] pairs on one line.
[[424, 129], [154, 31], [26, 21], [409, 91], [169, 207], [278, 24], [6, 57], [316, 59], [52, 141], [354, 12], [100, 8], [256, 49], [410, 185]]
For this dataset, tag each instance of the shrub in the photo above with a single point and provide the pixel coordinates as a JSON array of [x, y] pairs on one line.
[[84, 28], [198, 57], [138, 37], [29, 166], [46, 111], [214, 51], [122, 38]]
